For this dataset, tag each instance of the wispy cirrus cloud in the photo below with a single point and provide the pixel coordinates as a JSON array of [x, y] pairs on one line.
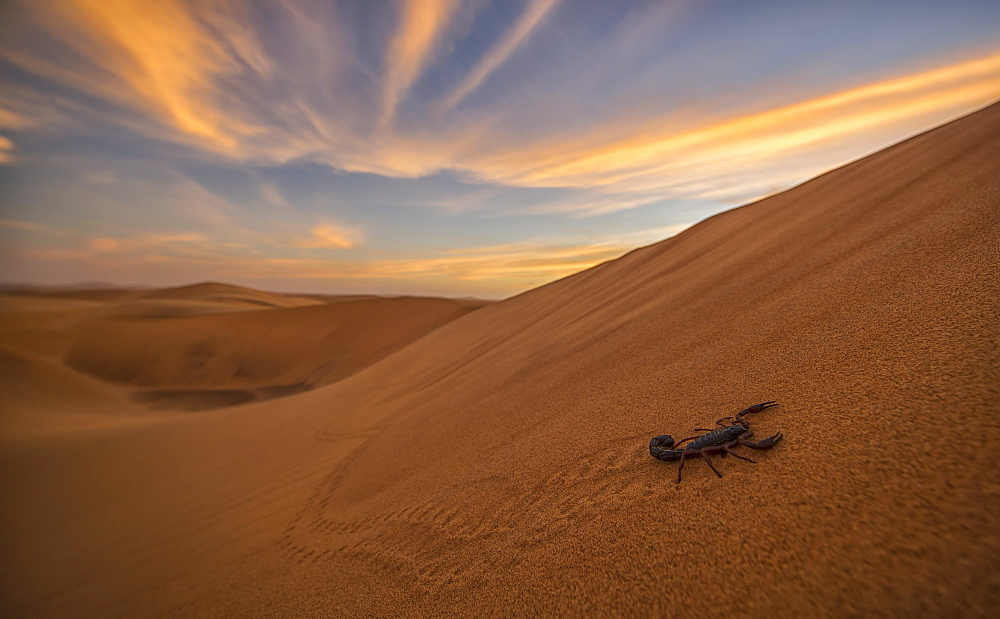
[[214, 78], [528, 22], [422, 23], [164, 55], [677, 160], [31, 226]]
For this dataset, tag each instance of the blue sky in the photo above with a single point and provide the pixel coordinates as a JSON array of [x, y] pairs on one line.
[[437, 146]]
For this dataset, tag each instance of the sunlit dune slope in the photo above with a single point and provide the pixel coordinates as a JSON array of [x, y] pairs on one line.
[[499, 465]]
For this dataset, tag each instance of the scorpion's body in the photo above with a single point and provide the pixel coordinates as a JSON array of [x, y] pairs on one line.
[[719, 441], [727, 434]]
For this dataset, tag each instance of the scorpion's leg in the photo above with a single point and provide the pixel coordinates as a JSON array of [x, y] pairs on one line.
[[729, 450], [704, 430], [704, 454], [684, 440], [680, 467], [767, 443]]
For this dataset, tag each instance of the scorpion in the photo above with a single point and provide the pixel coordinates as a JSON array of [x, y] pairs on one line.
[[718, 441]]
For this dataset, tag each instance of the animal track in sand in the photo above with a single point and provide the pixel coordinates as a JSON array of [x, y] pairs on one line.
[[431, 539]]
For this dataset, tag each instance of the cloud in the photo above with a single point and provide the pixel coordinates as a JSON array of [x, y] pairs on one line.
[[200, 70], [680, 163], [532, 16], [272, 195], [189, 244], [496, 270], [9, 119], [243, 85], [421, 25], [31, 226], [6, 150], [330, 236], [163, 53]]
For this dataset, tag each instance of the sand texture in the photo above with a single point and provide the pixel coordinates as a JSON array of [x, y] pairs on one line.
[[498, 465]]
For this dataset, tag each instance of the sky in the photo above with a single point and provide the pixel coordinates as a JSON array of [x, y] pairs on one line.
[[439, 147]]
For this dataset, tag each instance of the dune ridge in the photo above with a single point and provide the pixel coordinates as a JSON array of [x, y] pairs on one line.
[[498, 465]]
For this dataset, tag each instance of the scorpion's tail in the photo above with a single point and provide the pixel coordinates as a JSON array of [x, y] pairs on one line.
[[659, 448], [756, 408]]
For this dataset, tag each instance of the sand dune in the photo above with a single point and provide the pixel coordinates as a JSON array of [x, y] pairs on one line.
[[499, 464], [310, 345], [205, 346], [42, 397], [215, 291]]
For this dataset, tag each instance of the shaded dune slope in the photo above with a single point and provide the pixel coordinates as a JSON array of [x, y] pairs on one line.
[[205, 346], [499, 465], [305, 346]]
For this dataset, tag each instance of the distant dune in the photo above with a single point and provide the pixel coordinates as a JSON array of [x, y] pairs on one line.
[[214, 291], [498, 465], [198, 347], [287, 349]]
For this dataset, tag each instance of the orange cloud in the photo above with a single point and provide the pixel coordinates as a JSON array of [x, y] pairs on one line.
[[150, 243], [494, 270], [734, 159], [6, 148], [330, 236], [104, 244], [421, 24], [534, 263], [9, 119], [659, 156], [163, 53], [161, 57]]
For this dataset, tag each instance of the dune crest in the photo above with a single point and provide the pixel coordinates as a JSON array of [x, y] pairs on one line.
[[227, 293], [499, 464]]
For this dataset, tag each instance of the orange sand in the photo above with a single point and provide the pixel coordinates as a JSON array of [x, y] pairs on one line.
[[498, 465]]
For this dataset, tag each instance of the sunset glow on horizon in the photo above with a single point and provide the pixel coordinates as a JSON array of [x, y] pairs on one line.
[[438, 146]]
